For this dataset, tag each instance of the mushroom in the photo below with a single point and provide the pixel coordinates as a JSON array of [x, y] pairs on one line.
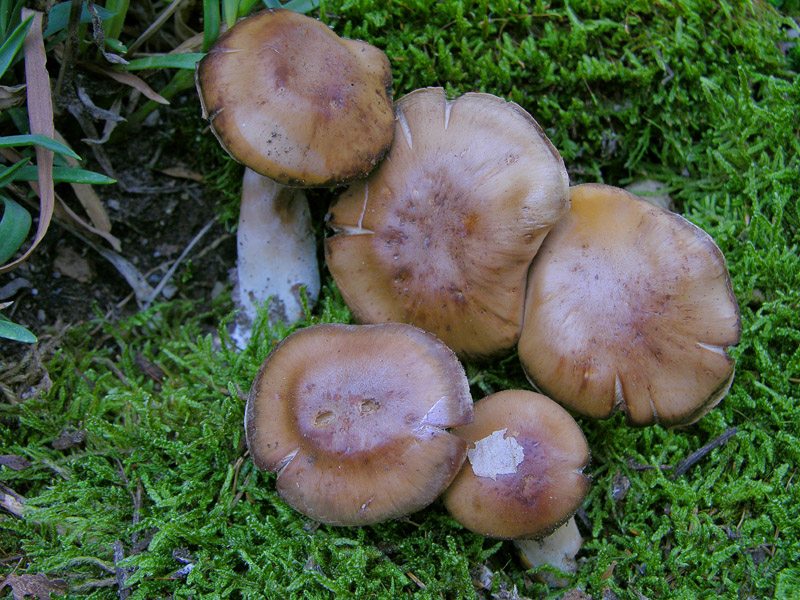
[[441, 234], [353, 418], [302, 107], [629, 307], [523, 478]]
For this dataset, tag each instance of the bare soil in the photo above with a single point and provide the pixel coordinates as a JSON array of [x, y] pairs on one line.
[[157, 208]]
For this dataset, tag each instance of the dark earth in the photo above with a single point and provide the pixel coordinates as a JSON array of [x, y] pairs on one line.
[[157, 208]]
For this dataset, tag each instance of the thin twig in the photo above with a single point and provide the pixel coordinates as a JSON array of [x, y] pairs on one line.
[[698, 455], [11, 501], [168, 276], [122, 572]]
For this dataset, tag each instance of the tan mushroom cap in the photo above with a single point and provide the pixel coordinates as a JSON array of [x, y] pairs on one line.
[[352, 418], [441, 234], [524, 473], [296, 103], [629, 308]]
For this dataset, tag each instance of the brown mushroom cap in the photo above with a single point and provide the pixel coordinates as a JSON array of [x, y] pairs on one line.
[[524, 473], [352, 418], [441, 234], [296, 103], [629, 308]]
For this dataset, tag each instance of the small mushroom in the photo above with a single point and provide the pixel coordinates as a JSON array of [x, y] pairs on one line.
[[441, 234], [523, 478], [353, 418], [303, 107], [630, 308]]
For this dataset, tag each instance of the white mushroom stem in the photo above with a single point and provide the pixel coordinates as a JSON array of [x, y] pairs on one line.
[[277, 254], [557, 550]]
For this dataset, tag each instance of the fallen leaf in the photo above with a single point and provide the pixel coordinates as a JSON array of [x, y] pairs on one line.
[[35, 586], [88, 197], [71, 264], [69, 438], [40, 117], [128, 79], [152, 370], [14, 462], [11, 96], [183, 173]]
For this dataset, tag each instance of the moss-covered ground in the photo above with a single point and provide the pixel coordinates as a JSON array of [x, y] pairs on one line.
[[699, 95]]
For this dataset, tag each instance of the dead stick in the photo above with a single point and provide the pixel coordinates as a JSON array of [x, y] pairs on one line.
[[698, 455]]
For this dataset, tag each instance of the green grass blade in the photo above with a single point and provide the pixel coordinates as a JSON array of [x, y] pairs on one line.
[[245, 6], [58, 17], [12, 44], [5, 12], [173, 61], [210, 23], [65, 175], [14, 227], [37, 140], [231, 9], [301, 6], [119, 8], [7, 173], [17, 333]]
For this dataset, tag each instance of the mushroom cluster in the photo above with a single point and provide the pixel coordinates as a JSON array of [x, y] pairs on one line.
[[459, 237], [354, 418]]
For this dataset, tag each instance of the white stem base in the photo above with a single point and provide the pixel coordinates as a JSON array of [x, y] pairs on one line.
[[277, 254], [557, 550]]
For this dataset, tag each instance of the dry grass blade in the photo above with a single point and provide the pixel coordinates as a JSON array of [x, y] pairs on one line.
[[40, 113], [65, 212], [89, 198], [155, 26], [128, 79]]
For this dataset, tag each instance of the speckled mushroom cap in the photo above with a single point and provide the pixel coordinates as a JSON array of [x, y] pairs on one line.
[[629, 308], [353, 418], [441, 234], [296, 103], [524, 473]]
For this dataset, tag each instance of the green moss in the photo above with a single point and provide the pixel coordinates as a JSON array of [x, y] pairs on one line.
[[696, 94]]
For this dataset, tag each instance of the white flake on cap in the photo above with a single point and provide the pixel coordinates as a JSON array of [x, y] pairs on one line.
[[495, 455]]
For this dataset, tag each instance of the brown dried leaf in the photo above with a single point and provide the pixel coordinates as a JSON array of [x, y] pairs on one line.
[[11, 96], [152, 370], [182, 173], [40, 114], [130, 80], [69, 438], [73, 265], [88, 197], [65, 213], [12, 502], [14, 462], [35, 586]]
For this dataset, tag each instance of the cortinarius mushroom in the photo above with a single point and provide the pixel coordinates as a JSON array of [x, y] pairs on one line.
[[523, 478], [630, 308], [441, 234], [524, 473], [303, 107], [352, 418]]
